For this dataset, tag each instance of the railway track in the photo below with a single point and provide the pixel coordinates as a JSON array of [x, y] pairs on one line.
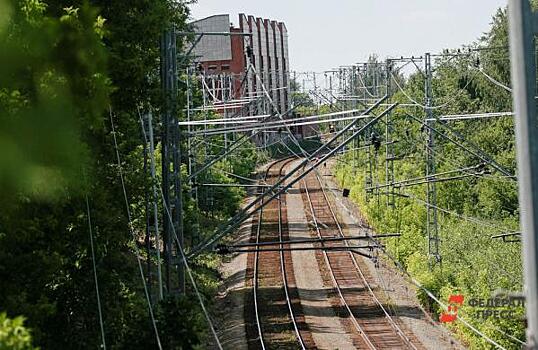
[[274, 315], [374, 325], [273, 312]]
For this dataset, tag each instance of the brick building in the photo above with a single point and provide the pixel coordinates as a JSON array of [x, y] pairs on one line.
[[225, 61]]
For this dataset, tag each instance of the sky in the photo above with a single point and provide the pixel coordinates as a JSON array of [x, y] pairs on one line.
[[327, 34]]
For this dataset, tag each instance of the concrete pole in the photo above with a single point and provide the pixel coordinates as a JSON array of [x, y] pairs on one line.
[[523, 69]]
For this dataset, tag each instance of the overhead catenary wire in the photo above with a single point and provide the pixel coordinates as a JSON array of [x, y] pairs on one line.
[[472, 149], [440, 106], [450, 100], [260, 93], [191, 277], [237, 113], [364, 86], [474, 220], [494, 81], [275, 108], [239, 176], [466, 169], [245, 213], [482, 175], [430, 178], [488, 116], [213, 144], [220, 104], [184, 261], [214, 107], [504, 178], [254, 119], [133, 234], [469, 117], [231, 120], [324, 239], [450, 117], [98, 296], [238, 142], [209, 90], [252, 96], [431, 295], [233, 100], [269, 126]]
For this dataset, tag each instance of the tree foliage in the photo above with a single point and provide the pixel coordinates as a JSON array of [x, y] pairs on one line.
[[13, 334], [66, 69], [474, 208]]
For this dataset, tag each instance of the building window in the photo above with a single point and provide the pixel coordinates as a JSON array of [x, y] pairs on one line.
[[225, 67]]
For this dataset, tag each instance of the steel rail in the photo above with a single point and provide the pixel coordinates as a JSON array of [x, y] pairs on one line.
[[365, 281], [255, 276], [256, 270], [282, 268], [333, 278]]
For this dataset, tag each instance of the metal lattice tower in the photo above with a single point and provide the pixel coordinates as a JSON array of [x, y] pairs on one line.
[[171, 164], [432, 226], [389, 144], [151, 206]]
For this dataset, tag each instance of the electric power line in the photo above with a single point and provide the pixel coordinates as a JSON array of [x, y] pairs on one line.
[[184, 261], [100, 311], [131, 228]]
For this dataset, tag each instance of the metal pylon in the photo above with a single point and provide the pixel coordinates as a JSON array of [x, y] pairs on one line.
[[389, 147], [171, 165], [432, 225]]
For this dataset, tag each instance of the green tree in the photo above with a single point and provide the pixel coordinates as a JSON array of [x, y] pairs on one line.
[[13, 334], [474, 207]]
